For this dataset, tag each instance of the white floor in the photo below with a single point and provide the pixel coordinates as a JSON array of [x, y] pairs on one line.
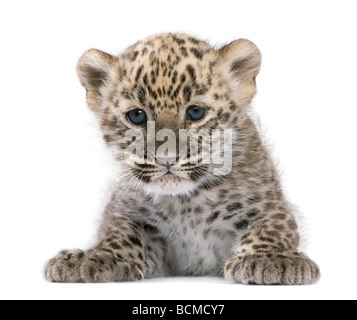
[[175, 288]]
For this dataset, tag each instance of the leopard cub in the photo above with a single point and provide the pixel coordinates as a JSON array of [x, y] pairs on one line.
[[178, 210]]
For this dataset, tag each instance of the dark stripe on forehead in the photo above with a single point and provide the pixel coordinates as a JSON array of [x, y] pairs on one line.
[[138, 73], [187, 93], [191, 71], [141, 94]]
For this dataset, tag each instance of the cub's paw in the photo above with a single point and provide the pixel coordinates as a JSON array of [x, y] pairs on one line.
[[90, 266], [65, 267], [288, 268]]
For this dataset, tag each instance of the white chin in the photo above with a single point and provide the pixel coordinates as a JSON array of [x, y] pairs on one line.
[[170, 185]]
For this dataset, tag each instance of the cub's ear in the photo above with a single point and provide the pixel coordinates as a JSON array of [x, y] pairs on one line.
[[93, 69], [241, 61]]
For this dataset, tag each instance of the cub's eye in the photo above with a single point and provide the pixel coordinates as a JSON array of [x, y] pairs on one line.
[[195, 113], [137, 116]]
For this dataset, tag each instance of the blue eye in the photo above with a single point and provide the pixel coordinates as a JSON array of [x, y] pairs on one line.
[[137, 116], [195, 113]]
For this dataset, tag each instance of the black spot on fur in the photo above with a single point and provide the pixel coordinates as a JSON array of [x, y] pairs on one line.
[[253, 212], [232, 106], [260, 246], [234, 206], [145, 79], [176, 92], [135, 241], [179, 40], [108, 138], [115, 245], [161, 215], [197, 53], [159, 92], [191, 71], [152, 93], [183, 51], [174, 77], [241, 225], [138, 73], [193, 40], [151, 229], [119, 257], [134, 55], [153, 77], [145, 51], [126, 244], [213, 217]]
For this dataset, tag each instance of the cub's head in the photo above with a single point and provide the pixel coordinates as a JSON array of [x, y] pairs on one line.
[[167, 92]]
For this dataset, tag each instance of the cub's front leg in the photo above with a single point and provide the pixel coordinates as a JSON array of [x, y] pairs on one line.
[[267, 255], [95, 265], [119, 257]]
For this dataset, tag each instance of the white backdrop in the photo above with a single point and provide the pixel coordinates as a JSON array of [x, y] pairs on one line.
[[54, 168]]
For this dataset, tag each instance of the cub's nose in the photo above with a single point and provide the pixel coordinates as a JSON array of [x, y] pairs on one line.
[[167, 161]]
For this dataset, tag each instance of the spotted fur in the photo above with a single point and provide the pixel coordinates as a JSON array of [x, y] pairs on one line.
[[193, 223]]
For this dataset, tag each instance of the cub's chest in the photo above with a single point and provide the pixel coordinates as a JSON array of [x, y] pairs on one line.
[[199, 232], [199, 242]]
